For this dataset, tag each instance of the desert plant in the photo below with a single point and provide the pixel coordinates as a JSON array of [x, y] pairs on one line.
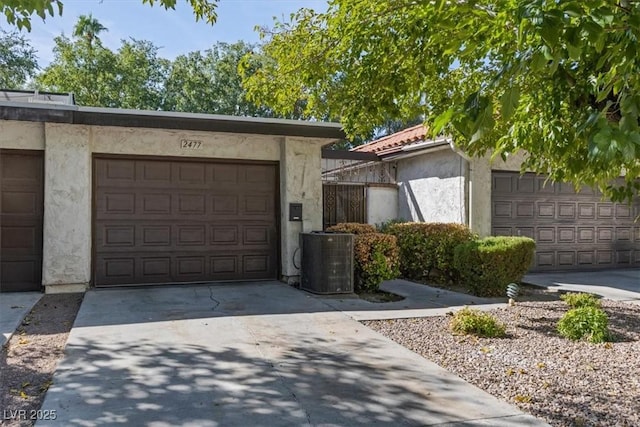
[[488, 265], [427, 248], [376, 258], [580, 299], [585, 322], [475, 322], [352, 227]]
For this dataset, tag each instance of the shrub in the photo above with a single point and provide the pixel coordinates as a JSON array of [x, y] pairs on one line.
[[488, 265], [385, 226], [579, 299], [427, 248], [585, 322], [476, 322], [353, 228], [376, 258]]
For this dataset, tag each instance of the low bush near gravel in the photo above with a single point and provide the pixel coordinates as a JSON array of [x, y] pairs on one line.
[[579, 299], [585, 322], [476, 322], [488, 265]]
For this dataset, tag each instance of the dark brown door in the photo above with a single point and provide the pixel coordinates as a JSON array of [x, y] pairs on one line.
[[21, 212], [572, 230], [172, 221]]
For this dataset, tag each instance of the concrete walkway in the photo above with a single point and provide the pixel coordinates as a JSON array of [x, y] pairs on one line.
[[249, 355], [14, 306], [618, 284]]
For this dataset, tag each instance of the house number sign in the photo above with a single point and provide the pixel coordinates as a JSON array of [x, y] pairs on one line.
[[190, 144]]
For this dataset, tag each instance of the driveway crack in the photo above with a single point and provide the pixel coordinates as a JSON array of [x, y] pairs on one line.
[[211, 297]]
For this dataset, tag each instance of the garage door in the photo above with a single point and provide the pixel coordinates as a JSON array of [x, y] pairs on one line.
[[21, 211], [173, 221], [572, 230]]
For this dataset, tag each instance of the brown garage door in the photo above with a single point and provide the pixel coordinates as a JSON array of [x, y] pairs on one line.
[[572, 230], [21, 211], [172, 221]]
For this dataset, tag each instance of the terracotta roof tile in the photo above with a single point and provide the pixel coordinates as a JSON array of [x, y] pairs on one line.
[[394, 142]]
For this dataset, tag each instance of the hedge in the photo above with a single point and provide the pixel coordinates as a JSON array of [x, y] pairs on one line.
[[488, 265], [376, 258], [426, 249], [375, 255], [352, 227]]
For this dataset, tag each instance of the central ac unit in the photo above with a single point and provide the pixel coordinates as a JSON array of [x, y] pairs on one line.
[[327, 263]]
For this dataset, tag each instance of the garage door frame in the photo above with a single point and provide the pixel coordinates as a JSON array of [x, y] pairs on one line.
[[108, 156], [37, 284]]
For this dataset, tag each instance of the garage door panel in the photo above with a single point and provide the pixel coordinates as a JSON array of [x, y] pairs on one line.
[[211, 221], [21, 217], [572, 230]]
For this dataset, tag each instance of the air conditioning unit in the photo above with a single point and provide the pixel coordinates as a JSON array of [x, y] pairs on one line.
[[327, 263]]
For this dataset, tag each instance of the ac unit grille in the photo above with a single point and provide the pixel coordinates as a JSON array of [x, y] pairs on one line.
[[327, 263]]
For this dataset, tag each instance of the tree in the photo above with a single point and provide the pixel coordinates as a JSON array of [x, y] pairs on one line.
[[17, 60], [133, 77], [559, 80], [88, 28], [20, 12], [209, 82]]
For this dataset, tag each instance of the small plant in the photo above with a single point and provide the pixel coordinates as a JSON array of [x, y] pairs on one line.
[[578, 299], [585, 322], [476, 322]]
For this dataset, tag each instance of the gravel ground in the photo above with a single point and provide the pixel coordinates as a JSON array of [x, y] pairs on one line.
[[563, 382], [28, 360]]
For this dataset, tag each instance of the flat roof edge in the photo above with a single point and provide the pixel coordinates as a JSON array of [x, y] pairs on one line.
[[168, 120]]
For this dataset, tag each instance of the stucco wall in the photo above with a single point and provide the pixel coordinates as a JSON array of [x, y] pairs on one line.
[[67, 206], [480, 177], [432, 187], [382, 204], [68, 183], [21, 135], [300, 182], [143, 141]]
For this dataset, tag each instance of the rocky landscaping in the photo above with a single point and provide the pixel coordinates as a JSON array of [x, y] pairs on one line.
[[566, 383]]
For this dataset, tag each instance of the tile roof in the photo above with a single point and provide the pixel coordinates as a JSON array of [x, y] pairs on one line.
[[394, 142]]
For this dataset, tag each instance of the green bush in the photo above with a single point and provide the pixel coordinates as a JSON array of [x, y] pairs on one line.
[[353, 228], [376, 258], [579, 299], [426, 249], [476, 322], [488, 265], [585, 322], [385, 226]]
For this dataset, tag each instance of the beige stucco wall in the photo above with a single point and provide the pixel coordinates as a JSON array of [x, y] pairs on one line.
[[66, 247], [144, 141], [68, 174], [300, 182], [382, 204], [21, 135], [480, 188]]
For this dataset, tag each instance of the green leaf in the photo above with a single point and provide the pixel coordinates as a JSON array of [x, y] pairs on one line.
[[441, 121], [509, 101]]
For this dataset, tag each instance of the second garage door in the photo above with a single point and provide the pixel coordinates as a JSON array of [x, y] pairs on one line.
[[174, 221], [572, 230]]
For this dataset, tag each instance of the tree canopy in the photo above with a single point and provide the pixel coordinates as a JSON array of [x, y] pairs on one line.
[[559, 80], [18, 60], [20, 12]]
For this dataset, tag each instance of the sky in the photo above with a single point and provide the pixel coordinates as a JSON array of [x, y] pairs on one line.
[[175, 31]]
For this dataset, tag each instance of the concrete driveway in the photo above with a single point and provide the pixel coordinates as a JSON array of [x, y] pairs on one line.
[[249, 355], [618, 284], [14, 306]]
